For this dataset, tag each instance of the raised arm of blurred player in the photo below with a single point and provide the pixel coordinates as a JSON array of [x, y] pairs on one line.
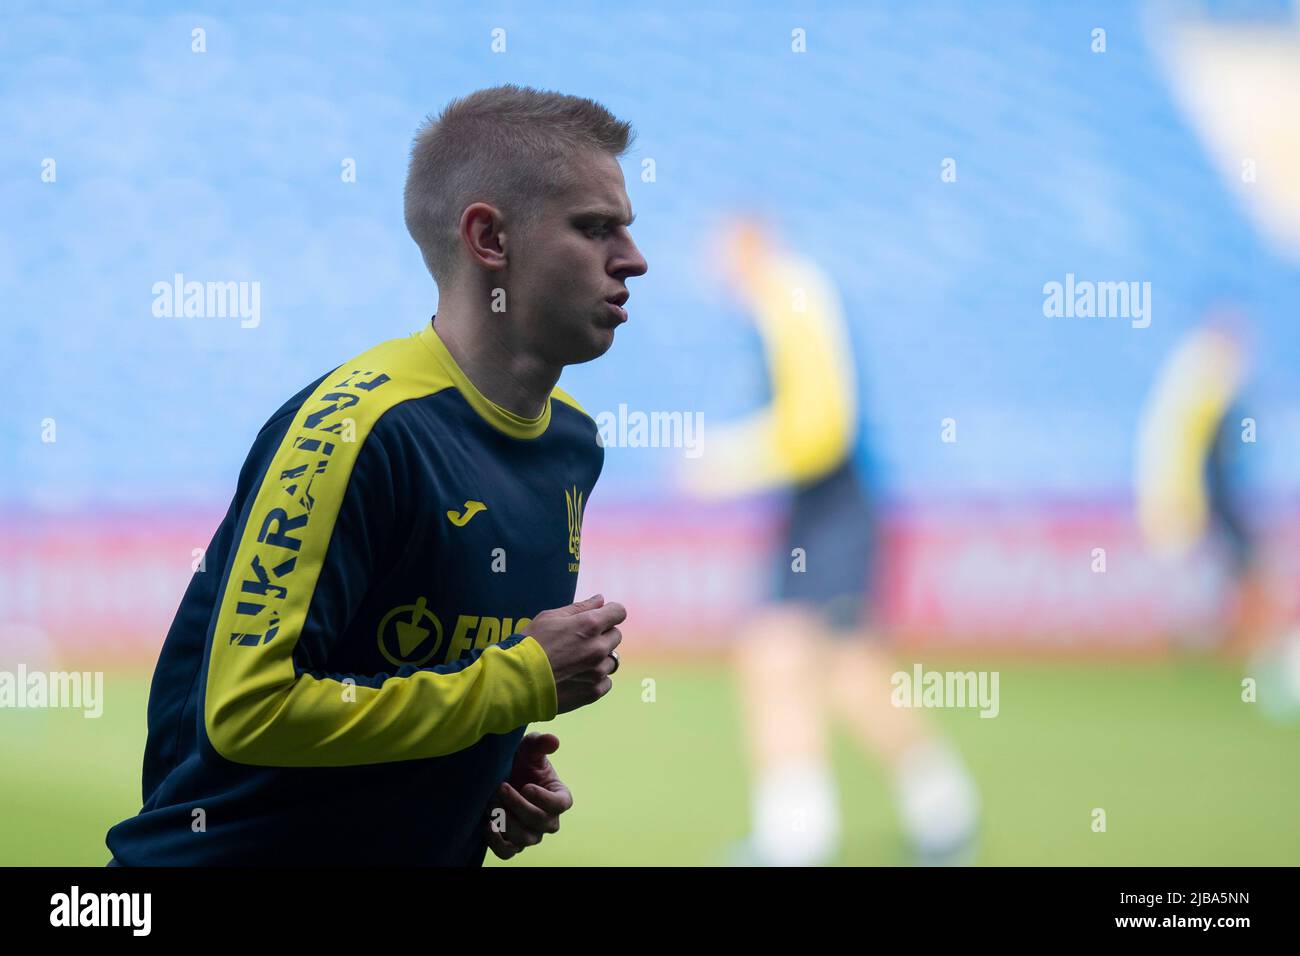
[[810, 424]]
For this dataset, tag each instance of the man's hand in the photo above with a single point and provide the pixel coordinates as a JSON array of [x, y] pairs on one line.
[[578, 641], [529, 803]]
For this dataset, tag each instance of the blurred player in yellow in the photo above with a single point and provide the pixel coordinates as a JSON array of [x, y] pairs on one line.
[[1238, 81], [1188, 495], [811, 654]]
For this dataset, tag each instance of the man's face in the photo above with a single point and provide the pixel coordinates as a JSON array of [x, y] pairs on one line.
[[568, 271]]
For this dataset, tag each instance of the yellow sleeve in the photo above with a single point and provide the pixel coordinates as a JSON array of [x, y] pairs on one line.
[[1175, 436], [809, 426]]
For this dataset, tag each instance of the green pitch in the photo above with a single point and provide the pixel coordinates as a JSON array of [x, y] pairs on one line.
[[1186, 772]]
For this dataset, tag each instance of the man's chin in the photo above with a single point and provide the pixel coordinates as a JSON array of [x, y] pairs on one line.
[[598, 344]]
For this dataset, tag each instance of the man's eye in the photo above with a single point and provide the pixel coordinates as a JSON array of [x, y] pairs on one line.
[[596, 232]]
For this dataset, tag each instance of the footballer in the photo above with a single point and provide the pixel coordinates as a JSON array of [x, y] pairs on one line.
[[389, 600], [814, 651]]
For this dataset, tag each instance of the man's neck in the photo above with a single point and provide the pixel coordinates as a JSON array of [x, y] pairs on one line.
[[518, 382]]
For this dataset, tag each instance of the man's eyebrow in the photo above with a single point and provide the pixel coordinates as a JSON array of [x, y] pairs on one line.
[[612, 215]]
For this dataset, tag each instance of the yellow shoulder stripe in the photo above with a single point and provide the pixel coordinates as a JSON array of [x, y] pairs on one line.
[[568, 399]]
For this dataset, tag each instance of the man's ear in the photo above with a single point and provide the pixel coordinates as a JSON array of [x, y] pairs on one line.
[[482, 235]]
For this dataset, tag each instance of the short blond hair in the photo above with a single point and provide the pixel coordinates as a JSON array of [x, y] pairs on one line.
[[506, 145]]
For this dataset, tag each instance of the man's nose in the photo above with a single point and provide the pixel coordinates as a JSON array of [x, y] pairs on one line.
[[631, 263]]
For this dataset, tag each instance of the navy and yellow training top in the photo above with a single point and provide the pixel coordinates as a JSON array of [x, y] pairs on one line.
[[349, 674]]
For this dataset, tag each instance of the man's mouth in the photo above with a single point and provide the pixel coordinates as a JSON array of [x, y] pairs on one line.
[[616, 303]]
